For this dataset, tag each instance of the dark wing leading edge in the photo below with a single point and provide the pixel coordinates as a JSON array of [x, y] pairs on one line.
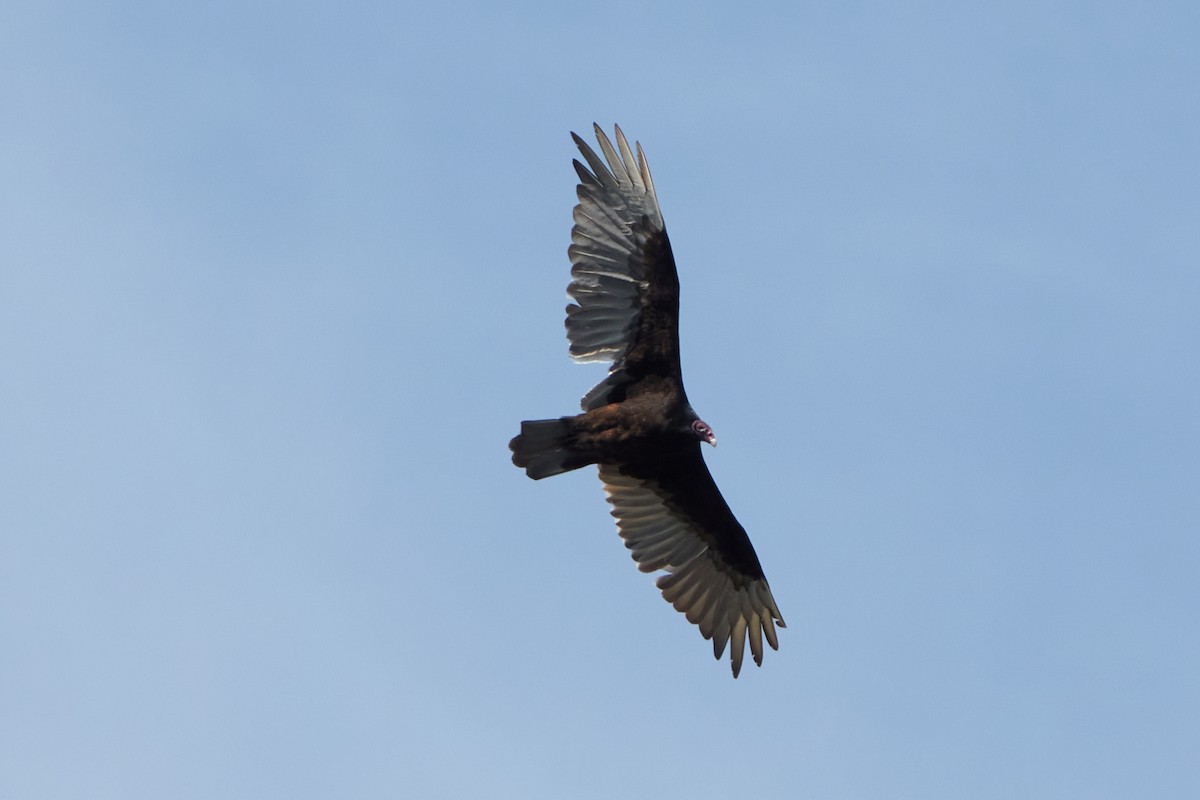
[[623, 277], [673, 518]]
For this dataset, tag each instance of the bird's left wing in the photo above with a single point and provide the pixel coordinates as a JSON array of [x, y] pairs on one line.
[[673, 518], [623, 277]]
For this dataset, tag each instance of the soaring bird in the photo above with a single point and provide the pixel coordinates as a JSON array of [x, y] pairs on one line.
[[638, 425]]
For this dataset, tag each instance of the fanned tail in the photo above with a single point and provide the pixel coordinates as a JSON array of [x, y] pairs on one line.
[[544, 448]]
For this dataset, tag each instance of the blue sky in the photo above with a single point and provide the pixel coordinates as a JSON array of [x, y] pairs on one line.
[[278, 282]]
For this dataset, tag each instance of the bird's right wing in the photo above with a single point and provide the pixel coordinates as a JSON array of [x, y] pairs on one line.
[[673, 518], [623, 277]]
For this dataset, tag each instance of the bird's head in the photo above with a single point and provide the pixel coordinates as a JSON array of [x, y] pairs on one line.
[[703, 432]]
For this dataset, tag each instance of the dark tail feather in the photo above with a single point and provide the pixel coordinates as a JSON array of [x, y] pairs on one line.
[[544, 448]]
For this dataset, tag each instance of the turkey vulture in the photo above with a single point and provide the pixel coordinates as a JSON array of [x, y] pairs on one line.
[[637, 423]]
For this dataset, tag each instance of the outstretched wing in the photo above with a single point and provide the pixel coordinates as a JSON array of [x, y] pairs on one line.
[[673, 518], [623, 277]]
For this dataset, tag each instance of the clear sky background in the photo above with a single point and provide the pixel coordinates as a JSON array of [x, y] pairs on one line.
[[279, 280]]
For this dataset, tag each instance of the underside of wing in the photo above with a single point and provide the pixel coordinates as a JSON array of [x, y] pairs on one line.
[[623, 280], [673, 518]]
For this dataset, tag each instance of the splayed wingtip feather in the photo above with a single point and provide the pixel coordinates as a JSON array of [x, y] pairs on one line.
[[737, 644]]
